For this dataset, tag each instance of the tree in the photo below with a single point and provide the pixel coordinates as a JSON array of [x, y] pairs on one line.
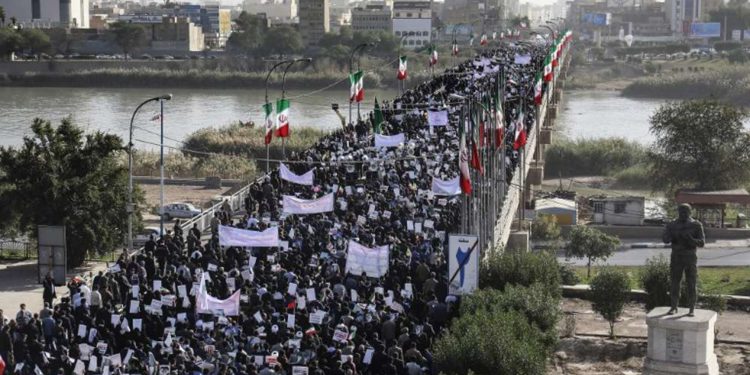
[[10, 41], [36, 41], [2, 17], [282, 40], [610, 290], [128, 36], [699, 145], [59, 176], [249, 35], [590, 243], [545, 228], [62, 40]]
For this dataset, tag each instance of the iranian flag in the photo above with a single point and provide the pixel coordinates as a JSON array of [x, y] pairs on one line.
[[471, 39], [476, 162], [555, 53], [502, 35], [282, 118], [499, 121], [454, 48], [401, 68], [268, 110], [483, 41], [433, 55], [357, 90], [538, 89], [520, 132], [547, 69], [494, 35], [463, 165]]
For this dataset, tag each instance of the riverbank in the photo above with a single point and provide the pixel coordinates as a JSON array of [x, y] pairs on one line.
[[727, 84]]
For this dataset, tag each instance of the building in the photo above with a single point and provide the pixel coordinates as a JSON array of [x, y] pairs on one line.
[[565, 211], [216, 23], [171, 35], [619, 210], [314, 20], [413, 20], [276, 11], [681, 13], [372, 17], [48, 13], [338, 17], [492, 12]]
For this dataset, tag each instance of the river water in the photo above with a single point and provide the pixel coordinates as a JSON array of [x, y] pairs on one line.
[[585, 113]]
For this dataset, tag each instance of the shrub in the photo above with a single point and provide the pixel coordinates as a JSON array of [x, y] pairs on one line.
[[655, 280], [592, 157], [491, 342], [610, 290], [737, 56], [568, 275], [545, 228], [715, 302], [590, 243], [520, 268], [634, 177]]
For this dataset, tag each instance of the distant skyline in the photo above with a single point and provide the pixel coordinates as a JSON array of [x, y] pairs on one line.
[[237, 2]]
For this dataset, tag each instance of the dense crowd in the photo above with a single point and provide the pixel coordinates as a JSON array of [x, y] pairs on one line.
[[300, 312]]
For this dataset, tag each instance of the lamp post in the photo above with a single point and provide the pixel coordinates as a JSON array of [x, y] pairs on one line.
[[351, 57], [267, 103], [161, 161], [131, 207], [283, 93]]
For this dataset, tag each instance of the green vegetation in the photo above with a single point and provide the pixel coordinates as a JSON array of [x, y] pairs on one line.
[[520, 268], [711, 280], [179, 165], [545, 228], [655, 280], [590, 243], [728, 84], [59, 176], [609, 292], [128, 36], [16, 41]]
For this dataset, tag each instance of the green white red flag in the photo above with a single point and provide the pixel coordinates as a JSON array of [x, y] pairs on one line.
[[402, 61], [463, 165], [269, 122], [433, 55], [538, 89], [357, 88], [282, 118], [547, 68]]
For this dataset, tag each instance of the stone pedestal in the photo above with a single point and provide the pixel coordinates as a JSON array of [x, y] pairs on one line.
[[679, 344]]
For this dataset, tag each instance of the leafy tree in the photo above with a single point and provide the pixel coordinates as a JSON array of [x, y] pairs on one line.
[[62, 39], [339, 54], [700, 145], [545, 228], [590, 243], [10, 41], [249, 35], [610, 290], [2, 17], [128, 36], [282, 40], [59, 176], [36, 41]]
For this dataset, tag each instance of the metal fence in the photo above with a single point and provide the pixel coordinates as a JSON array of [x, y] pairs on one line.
[[17, 249]]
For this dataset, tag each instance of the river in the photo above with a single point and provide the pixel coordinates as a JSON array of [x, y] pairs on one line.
[[585, 113]]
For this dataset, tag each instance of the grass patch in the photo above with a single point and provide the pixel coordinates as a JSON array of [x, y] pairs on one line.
[[179, 165], [711, 280]]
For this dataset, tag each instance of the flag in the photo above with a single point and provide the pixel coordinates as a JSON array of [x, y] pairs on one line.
[[476, 162], [538, 89], [494, 35], [547, 69], [401, 69], [377, 118], [520, 132], [555, 50], [499, 121], [357, 90], [282, 116], [502, 35], [433, 55], [523, 25], [482, 139], [454, 49], [156, 117], [268, 110], [471, 40], [483, 41], [463, 165]]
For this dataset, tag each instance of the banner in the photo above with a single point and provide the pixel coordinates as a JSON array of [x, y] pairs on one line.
[[294, 205], [446, 187], [465, 261], [230, 236], [360, 259], [389, 140], [303, 179], [437, 118], [206, 304]]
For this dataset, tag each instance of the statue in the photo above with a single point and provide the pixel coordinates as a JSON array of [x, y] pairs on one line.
[[686, 235]]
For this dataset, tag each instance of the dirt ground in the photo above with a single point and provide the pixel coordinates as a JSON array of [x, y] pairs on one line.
[[199, 196], [586, 354]]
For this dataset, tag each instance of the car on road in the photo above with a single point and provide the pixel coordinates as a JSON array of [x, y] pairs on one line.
[[143, 237], [179, 210]]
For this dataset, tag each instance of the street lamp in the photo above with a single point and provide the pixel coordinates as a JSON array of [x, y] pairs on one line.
[[283, 92], [351, 57], [131, 207], [267, 103]]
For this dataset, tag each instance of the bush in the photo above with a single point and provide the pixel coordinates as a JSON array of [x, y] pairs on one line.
[[592, 157], [491, 342], [537, 303], [545, 228], [520, 268], [610, 290], [655, 279], [634, 177], [727, 46], [714, 302], [737, 56], [568, 275]]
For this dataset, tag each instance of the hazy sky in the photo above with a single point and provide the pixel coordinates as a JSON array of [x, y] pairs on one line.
[[535, 2]]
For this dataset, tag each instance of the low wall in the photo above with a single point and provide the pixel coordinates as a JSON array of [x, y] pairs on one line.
[[655, 232]]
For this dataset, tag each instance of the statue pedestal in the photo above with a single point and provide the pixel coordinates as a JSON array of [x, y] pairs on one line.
[[678, 344]]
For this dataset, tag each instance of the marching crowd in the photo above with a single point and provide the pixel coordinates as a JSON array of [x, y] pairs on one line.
[[300, 311]]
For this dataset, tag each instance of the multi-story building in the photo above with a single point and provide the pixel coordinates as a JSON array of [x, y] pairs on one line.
[[375, 16], [171, 34], [412, 20], [338, 17], [276, 11], [681, 13], [48, 13], [314, 20]]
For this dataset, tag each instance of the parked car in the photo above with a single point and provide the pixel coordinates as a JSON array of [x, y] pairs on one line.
[[179, 210], [141, 238]]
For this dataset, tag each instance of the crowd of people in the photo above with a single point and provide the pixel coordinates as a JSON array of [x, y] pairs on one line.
[[300, 311]]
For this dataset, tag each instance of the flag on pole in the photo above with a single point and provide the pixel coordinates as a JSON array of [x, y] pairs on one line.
[[377, 118], [463, 165], [538, 89], [454, 49], [268, 110], [282, 118], [401, 69], [476, 162], [433, 55], [357, 90], [555, 50], [502, 35], [483, 41], [499, 121], [494, 35], [471, 39], [523, 25], [547, 69], [520, 132]]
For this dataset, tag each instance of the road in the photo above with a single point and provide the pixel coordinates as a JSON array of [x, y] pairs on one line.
[[713, 256]]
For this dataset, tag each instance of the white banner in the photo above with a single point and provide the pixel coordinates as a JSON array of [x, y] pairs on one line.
[[360, 259], [303, 179], [437, 118], [294, 205], [389, 140], [465, 261], [446, 187], [229, 236], [206, 304]]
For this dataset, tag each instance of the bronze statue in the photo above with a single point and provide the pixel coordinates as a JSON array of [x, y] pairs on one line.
[[686, 235]]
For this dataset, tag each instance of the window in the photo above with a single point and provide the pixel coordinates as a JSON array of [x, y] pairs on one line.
[[598, 207], [620, 207]]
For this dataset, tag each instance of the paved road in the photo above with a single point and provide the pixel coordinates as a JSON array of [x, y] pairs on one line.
[[715, 256]]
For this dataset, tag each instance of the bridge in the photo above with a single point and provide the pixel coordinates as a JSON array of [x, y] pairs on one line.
[[495, 211]]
